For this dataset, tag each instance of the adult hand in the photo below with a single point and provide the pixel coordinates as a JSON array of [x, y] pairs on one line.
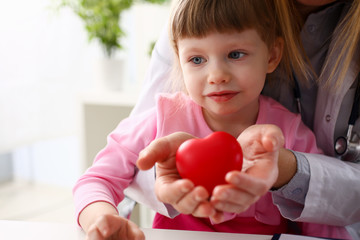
[[169, 187]]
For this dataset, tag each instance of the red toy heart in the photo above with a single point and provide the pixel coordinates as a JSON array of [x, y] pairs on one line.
[[206, 161]]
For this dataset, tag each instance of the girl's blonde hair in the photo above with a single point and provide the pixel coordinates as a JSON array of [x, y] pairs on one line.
[[271, 19], [198, 18], [345, 37]]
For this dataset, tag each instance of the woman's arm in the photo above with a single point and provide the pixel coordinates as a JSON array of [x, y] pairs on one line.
[[334, 191], [327, 196], [287, 168]]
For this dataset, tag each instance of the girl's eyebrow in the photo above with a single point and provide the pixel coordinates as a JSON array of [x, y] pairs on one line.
[[191, 49], [243, 42], [238, 43]]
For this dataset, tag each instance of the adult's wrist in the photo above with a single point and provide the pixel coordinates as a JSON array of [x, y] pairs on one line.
[[296, 189], [287, 165]]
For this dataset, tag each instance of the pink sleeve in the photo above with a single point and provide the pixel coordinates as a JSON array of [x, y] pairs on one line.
[[114, 166]]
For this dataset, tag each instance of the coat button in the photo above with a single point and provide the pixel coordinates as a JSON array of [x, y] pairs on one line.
[[328, 118], [311, 28], [297, 191]]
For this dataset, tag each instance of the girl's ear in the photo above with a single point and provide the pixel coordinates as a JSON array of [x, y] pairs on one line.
[[275, 54]]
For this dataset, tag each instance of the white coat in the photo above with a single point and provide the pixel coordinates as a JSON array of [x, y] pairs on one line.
[[334, 189]]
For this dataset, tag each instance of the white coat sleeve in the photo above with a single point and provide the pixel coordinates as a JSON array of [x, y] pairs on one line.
[[154, 82], [328, 196], [325, 201], [328, 200], [157, 74]]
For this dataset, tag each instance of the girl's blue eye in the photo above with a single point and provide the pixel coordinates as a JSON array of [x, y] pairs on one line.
[[236, 54], [197, 60]]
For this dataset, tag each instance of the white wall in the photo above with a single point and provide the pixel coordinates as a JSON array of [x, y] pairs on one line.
[[46, 61], [43, 64]]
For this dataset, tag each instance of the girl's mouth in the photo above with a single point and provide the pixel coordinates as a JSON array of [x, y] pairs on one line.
[[222, 96]]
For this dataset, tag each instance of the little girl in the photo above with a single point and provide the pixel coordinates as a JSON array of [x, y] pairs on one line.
[[225, 50]]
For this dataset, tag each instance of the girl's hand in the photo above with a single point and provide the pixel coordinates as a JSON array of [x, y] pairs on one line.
[[114, 227], [261, 145], [169, 187], [101, 221]]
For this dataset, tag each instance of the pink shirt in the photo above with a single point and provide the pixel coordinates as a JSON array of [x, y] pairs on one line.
[[114, 167]]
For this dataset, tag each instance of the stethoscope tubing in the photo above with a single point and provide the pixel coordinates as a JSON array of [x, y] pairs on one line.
[[342, 143]]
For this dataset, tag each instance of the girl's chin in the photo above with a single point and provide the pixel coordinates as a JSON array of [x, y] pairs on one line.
[[222, 112]]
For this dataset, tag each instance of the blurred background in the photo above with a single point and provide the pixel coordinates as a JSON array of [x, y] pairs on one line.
[[60, 95]]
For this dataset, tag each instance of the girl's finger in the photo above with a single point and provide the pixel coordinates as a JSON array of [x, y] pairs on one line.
[[94, 234], [133, 232], [109, 224], [190, 203], [172, 191], [205, 209], [161, 150], [245, 182], [229, 199]]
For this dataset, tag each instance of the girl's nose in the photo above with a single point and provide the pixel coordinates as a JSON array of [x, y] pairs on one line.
[[218, 74]]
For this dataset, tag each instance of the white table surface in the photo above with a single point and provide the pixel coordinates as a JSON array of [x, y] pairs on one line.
[[16, 230]]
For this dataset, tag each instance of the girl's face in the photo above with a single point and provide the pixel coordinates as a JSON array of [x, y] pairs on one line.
[[225, 72]]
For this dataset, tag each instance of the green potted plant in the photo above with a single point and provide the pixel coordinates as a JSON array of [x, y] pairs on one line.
[[102, 22], [102, 18]]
